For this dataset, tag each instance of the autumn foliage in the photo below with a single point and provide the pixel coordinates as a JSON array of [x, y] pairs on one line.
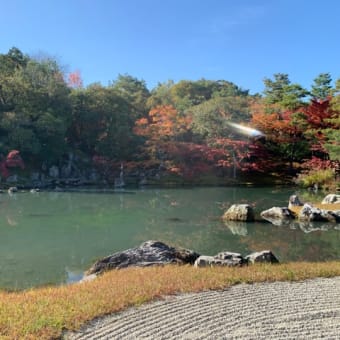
[[75, 80], [170, 140], [318, 112], [12, 160], [162, 123]]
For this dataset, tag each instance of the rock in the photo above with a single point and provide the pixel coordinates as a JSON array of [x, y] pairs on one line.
[[119, 183], [331, 199], [239, 212], [235, 257], [227, 255], [278, 216], [211, 261], [185, 255], [53, 171], [11, 190], [12, 179], [310, 213], [35, 176], [336, 215], [265, 256], [143, 181], [93, 175], [66, 171], [147, 254], [204, 261], [294, 201]]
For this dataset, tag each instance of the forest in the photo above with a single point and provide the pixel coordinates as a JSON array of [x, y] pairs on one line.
[[187, 128]]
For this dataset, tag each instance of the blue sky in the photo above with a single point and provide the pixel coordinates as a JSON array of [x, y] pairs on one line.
[[241, 41]]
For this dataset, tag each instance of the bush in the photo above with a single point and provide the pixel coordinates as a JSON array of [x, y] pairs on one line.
[[315, 177]]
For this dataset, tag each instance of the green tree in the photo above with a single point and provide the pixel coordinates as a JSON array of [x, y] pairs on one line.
[[102, 123], [186, 94], [322, 88], [210, 119], [223, 88], [274, 89], [133, 91], [161, 95], [280, 91], [34, 107], [10, 63]]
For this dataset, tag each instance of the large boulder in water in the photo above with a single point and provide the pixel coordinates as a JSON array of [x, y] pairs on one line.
[[239, 212], [310, 213], [148, 253]]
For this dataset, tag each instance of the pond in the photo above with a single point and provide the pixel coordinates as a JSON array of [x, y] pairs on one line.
[[52, 237]]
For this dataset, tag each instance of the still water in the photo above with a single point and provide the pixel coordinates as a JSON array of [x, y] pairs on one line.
[[52, 237]]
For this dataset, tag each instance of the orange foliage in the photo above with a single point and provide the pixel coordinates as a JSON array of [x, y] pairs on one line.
[[282, 125], [165, 128], [317, 113], [163, 122], [74, 79], [278, 126]]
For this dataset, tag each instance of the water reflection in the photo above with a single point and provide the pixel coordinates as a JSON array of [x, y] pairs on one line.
[[305, 226], [74, 275], [237, 228]]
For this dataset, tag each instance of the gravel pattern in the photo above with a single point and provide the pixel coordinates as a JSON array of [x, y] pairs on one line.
[[280, 310]]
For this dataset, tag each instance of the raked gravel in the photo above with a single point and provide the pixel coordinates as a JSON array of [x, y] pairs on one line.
[[280, 310]]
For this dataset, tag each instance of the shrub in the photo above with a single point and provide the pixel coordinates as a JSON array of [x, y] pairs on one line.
[[315, 177]]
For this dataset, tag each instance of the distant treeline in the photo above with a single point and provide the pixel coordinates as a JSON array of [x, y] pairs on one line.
[[183, 127]]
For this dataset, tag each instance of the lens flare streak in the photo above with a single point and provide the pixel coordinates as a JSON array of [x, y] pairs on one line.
[[245, 130]]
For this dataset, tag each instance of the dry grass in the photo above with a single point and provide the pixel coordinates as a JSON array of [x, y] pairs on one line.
[[43, 313]]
